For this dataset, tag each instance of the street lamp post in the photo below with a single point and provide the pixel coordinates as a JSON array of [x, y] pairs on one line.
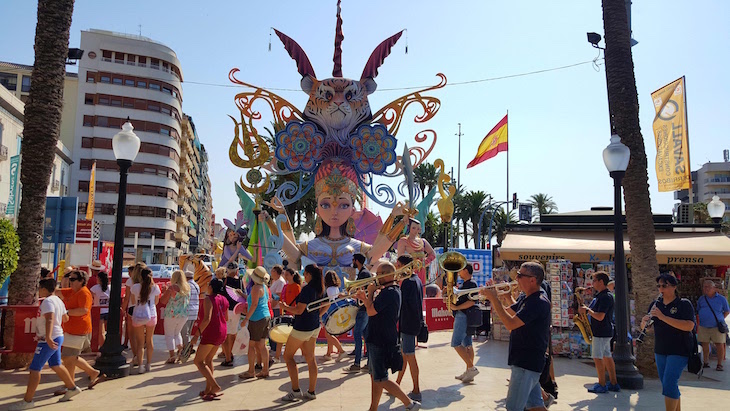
[[716, 209], [112, 362], [616, 157]]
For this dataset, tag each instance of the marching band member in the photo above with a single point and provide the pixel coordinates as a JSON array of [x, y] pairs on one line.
[[332, 288], [361, 320], [382, 336], [304, 335], [461, 338], [411, 319], [528, 321]]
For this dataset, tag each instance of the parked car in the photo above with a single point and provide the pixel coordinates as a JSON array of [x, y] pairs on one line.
[[160, 271]]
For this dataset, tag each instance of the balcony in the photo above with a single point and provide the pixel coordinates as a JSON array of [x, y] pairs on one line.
[[56, 185], [3, 152]]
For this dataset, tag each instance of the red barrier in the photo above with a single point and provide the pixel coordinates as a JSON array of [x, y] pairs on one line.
[[24, 328], [438, 316]]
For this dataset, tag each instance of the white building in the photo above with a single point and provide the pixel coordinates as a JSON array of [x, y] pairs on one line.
[[127, 76]]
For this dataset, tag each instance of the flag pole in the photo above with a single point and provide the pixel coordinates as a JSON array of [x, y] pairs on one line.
[[689, 163], [508, 199]]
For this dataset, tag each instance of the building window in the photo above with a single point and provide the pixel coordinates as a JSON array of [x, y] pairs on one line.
[[106, 55], [154, 64], [131, 59], [154, 86], [129, 82], [105, 78], [9, 80], [142, 62], [90, 77], [25, 87], [119, 57], [88, 121], [117, 80], [89, 99]]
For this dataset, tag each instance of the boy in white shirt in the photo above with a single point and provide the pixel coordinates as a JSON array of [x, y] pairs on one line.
[[51, 314]]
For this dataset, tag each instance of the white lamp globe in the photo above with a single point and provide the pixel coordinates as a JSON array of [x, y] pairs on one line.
[[125, 143], [716, 208], [616, 155]]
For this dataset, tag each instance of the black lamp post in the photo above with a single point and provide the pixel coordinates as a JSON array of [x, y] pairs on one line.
[[616, 157], [112, 362], [716, 209]]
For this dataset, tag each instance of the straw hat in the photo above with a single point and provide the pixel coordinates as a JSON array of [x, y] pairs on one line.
[[96, 265], [258, 275], [189, 273]]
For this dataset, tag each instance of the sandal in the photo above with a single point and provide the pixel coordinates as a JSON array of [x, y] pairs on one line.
[[706, 365], [246, 376], [171, 360], [719, 367], [215, 394], [210, 397], [262, 375], [100, 378]]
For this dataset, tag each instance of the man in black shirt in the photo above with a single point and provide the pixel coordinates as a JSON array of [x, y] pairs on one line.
[[528, 320], [361, 320], [601, 313], [461, 340], [233, 285], [411, 318], [382, 336]]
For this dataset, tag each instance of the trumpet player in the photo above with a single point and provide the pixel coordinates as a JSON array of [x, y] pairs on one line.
[[600, 312], [461, 338], [382, 336], [411, 320], [529, 323]]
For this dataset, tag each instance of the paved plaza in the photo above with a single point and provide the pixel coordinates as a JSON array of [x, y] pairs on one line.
[[177, 386]]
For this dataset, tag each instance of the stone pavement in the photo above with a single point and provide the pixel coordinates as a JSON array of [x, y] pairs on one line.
[[177, 386]]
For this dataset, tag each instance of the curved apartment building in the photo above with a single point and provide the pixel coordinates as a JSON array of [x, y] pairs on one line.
[[127, 76]]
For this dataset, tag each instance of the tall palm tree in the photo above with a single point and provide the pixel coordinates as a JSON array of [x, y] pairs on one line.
[[543, 204], [623, 106], [426, 177], [477, 203], [41, 129]]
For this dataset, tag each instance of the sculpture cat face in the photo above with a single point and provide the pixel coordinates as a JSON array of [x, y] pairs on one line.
[[338, 105]]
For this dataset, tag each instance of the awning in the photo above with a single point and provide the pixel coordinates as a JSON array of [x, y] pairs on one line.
[[587, 247]]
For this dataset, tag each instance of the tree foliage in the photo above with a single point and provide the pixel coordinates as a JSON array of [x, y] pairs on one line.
[[9, 248]]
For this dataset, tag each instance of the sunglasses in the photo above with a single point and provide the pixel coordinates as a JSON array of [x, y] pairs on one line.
[[74, 279], [663, 285], [520, 275]]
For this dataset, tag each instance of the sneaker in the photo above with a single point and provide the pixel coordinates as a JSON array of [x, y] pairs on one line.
[[291, 397], [415, 406], [470, 374], [22, 405], [550, 400], [415, 397], [341, 356], [613, 387], [461, 376], [147, 367], [140, 369], [598, 389], [326, 358], [365, 368], [70, 394], [353, 368], [306, 395]]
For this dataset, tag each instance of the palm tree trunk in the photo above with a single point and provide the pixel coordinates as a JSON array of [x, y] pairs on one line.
[[41, 130], [624, 109]]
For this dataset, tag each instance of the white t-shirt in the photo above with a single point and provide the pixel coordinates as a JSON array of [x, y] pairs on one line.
[[153, 293], [129, 283], [276, 288], [333, 292], [101, 297], [51, 304]]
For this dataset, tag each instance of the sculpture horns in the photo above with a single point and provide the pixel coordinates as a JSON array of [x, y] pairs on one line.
[[304, 67], [337, 70], [379, 54]]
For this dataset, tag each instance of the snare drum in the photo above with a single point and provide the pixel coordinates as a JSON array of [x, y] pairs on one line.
[[280, 328], [340, 317]]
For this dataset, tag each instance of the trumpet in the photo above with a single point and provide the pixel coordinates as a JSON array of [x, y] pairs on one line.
[[474, 293], [353, 286]]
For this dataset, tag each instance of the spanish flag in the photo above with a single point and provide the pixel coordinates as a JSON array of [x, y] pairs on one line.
[[492, 144]]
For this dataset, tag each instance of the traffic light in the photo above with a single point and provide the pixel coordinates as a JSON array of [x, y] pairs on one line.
[[514, 201]]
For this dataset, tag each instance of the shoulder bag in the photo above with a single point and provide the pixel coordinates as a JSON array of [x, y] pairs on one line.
[[423, 333], [721, 325], [694, 364]]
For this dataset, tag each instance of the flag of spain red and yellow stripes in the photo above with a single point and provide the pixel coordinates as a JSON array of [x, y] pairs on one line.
[[493, 143]]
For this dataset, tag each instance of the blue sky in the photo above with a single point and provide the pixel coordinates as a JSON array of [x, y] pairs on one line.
[[558, 120]]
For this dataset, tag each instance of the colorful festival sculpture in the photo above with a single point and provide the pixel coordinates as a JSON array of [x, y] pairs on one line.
[[338, 147]]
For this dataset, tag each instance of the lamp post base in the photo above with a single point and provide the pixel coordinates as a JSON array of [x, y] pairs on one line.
[[627, 375], [113, 366]]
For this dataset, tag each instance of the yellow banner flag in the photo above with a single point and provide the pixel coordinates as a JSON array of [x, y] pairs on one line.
[[670, 133], [92, 190]]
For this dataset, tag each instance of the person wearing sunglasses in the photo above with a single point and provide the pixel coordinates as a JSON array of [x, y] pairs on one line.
[[77, 330], [673, 340], [528, 320]]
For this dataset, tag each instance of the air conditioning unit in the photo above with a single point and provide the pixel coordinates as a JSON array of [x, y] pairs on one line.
[[684, 214]]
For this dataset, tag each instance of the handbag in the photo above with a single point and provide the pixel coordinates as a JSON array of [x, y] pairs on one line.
[[694, 363], [473, 317], [423, 333], [394, 360], [721, 325]]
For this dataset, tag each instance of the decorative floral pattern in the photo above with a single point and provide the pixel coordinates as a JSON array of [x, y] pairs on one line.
[[373, 149], [299, 146]]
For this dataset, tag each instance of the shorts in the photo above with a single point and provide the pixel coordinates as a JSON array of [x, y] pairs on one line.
[[408, 344], [524, 390], [234, 320], [707, 334], [376, 362], [601, 348], [304, 335], [73, 345], [670, 368], [460, 336], [259, 329], [104, 316], [152, 322], [44, 354]]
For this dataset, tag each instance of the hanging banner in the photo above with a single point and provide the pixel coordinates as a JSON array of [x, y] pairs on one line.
[[13, 194], [670, 133], [92, 191], [107, 255]]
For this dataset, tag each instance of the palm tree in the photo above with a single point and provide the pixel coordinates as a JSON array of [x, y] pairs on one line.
[[462, 214], [426, 177], [499, 225], [477, 203], [623, 106], [41, 129], [543, 204]]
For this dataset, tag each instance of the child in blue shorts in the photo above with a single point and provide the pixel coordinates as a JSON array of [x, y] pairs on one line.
[[52, 313]]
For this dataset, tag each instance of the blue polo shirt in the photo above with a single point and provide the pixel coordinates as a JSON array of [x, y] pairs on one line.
[[718, 303]]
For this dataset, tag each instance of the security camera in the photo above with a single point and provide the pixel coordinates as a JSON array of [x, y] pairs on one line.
[[594, 38]]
